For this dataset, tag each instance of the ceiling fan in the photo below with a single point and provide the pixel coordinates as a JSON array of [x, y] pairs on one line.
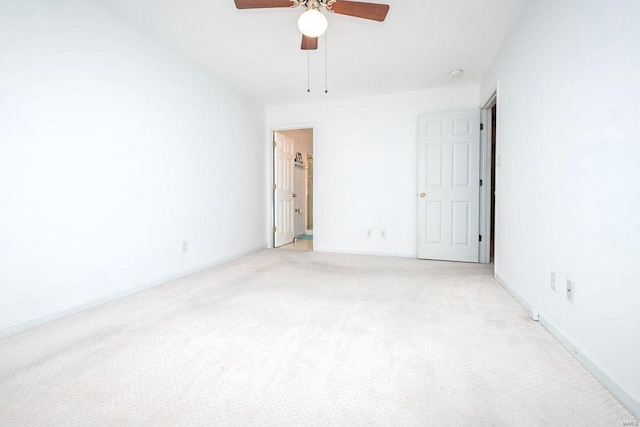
[[313, 23]]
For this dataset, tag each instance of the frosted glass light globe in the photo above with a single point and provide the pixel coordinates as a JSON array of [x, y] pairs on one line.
[[312, 23]]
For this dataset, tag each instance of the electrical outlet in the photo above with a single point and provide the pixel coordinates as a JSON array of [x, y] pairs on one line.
[[383, 234], [553, 281], [185, 246], [369, 233], [570, 290]]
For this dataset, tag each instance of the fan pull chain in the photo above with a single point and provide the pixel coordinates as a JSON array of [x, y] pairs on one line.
[[326, 62], [308, 72]]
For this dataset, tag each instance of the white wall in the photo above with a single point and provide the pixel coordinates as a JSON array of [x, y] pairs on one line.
[[365, 165], [568, 191], [113, 150]]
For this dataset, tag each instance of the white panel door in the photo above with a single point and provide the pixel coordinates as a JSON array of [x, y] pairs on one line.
[[283, 155], [449, 186]]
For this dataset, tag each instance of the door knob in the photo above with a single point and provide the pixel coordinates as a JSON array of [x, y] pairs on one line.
[[422, 195]]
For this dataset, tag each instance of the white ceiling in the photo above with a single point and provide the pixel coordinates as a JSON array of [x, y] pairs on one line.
[[258, 51]]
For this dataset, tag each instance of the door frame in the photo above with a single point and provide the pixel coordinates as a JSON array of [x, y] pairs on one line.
[[490, 100], [270, 197]]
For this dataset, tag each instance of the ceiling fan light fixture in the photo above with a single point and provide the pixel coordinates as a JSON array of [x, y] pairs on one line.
[[312, 23]]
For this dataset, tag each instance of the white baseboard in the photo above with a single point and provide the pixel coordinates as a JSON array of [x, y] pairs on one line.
[[374, 253], [533, 312], [595, 367], [33, 322], [602, 374]]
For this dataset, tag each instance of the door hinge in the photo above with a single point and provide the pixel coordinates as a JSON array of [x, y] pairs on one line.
[[274, 229], [274, 144], [481, 126], [480, 236], [275, 186], [480, 183]]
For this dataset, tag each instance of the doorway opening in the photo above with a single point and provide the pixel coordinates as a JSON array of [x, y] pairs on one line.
[[293, 189], [492, 189], [490, 162]]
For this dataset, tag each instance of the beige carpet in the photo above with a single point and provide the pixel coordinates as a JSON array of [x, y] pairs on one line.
[[303, 338]]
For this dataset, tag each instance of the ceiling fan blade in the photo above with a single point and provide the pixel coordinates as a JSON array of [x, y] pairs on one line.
[[258, 4], [373, 11], [309, 43]]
